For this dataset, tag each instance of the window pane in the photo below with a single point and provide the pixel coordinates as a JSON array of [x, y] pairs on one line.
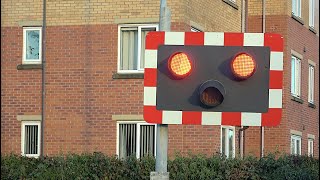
[[298, 147], [311, 84], [32, 44], [144, 32], [147, 134], [223, 141], [193, 29], [294, 7], [298, 8], [31, 139], [293, 76], [292, 146], [310, 147], [127, 140], [230, 135], [129, 49], [298, 78]]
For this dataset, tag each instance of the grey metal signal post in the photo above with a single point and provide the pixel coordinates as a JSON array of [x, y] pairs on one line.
[[162, 129]]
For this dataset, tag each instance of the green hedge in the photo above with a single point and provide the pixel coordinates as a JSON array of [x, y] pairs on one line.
[[99, 166]]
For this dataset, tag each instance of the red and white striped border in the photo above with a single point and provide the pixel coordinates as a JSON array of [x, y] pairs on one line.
[[271, 118]]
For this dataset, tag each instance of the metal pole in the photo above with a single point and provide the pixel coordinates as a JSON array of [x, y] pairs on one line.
[[43, 77], [243, 30], [263, 30], [162, 129]]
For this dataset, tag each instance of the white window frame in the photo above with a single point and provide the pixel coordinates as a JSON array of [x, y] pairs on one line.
[[311, 13], [296, 10], [227, 141], [296, 138], [23, 127], [296, 87], [31, 61], [140, 27], [310, 147], [311, 84], [138, 123]]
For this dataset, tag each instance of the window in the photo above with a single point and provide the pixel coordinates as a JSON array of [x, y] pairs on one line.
[[132, 47], [136, 139], [193, 29], [296, 8], [31, 45], [310, 147], [30, 138], [311, 13], [295, 76], [295, 144], [228, 141], [311, 84]]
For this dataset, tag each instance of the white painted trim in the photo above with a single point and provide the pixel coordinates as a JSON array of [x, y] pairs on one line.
[[311, 83], [296, 138], [253, 39], [150, 58], [138, 123], [172, 117], [250, 119], [309, 147], [117, 140], [311, 13], [32, 61], [275, 98], [211, 118], [227, 143], [23, 124], [276, 61], [174, 38], [150, 96], [138, 26], [213, 39], [297, 78]]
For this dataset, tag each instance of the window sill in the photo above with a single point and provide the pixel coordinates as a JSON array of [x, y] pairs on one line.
[[127, 76], [29, 66], [297, 18], [231, 3], [311, 105], [312, 30], [296, 99]]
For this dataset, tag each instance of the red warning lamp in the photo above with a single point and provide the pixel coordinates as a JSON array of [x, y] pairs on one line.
[[211, 93], [179, 65], [243, 66]]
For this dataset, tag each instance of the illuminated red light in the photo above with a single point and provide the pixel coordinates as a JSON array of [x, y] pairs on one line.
[[179, 65], [243, 66]]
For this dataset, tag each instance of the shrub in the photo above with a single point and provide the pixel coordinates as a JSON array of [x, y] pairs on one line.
[[199, 167]]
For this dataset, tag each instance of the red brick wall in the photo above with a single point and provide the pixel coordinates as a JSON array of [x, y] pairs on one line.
[[81, 94], [301, 117], [295, 116], [20, 90]]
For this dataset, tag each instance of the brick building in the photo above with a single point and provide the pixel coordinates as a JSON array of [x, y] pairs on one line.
[[94, 76]]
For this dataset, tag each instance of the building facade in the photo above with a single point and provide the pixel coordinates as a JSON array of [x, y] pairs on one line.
[[94, 76]]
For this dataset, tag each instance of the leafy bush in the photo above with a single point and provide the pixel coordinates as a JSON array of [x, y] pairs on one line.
[[200, 167]]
